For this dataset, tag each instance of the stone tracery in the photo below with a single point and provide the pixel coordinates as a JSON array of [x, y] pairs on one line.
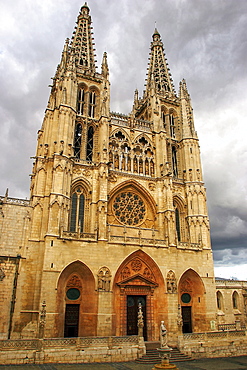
[[137, 157], [129, 208]]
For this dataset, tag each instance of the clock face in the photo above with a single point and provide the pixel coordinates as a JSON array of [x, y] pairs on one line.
[[186, 298], [129, 208]]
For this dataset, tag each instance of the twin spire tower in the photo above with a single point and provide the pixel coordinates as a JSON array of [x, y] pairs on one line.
[[118, 210]]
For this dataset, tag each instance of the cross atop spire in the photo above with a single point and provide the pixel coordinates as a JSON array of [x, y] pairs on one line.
[[82, 41], [158, 70]]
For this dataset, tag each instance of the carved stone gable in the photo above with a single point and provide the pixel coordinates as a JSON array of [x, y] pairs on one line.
[[186, 286], [74, 282], [137, 272]]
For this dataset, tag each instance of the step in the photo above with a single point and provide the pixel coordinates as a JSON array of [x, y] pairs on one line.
[[152, 355]]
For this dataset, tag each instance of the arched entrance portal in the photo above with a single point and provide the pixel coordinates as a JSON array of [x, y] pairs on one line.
[[139, 280], [76, 302], [192, 300]]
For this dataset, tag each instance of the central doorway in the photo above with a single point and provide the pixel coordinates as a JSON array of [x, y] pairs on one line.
[[132, 314], [71, 320]]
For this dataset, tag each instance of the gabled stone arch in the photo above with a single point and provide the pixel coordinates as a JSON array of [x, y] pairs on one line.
[[83, 182], [77, 275], [191, 297], [137, 275], [59, 167], [179, 201], [144, 212]]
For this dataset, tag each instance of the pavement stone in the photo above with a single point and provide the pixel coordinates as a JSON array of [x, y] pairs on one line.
[[229, 363]]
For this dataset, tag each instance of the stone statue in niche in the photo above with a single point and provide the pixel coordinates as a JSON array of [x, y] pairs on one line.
[[104, 279], [171, 282]]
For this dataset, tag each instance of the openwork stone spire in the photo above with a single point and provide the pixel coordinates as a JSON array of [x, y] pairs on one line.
[[82, 41], [158, 75]]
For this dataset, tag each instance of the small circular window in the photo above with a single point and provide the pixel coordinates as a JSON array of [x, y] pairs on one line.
[[186, 298], [73, 294]]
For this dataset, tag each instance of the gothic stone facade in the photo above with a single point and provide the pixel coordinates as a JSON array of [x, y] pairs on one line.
[[117, 213]]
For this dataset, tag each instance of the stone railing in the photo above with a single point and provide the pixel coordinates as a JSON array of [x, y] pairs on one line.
[[78, 236], [212, 335], [132, 235], [188, 245], [214, 344], [71, 350], [123, 120], [16, 201], [143, 125], [227, 327], [120, 119], [238, 284]]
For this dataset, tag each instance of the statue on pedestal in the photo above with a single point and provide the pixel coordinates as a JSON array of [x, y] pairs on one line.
[[163, 335]]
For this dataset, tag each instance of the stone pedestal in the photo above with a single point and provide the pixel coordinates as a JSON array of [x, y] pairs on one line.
[[165, 354]]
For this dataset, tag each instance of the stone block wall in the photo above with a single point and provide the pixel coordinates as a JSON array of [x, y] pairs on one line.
[[14, 224], [71, 350], [8, 276], [214, 344]]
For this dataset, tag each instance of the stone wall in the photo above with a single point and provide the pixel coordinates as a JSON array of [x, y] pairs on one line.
[[214, 344], [14, 225], [71, 350], [231, 302], [9, 267]]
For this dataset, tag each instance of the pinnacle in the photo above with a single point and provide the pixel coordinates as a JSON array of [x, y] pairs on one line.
[[158, 75]]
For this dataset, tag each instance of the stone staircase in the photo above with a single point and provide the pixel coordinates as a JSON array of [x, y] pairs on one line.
[[152, 356]]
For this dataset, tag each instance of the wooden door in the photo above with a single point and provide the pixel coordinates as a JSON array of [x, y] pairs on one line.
[[71, 320], [186, 315], [132, 314]]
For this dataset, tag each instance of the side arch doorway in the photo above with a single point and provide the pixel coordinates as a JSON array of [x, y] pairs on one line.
[[192, 300], [76, 302], [139, 280]]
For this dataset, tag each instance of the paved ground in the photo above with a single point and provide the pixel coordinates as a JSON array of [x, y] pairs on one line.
[[230, 363]]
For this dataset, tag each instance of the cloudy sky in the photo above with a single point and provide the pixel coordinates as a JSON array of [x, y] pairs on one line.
[[205, 43]]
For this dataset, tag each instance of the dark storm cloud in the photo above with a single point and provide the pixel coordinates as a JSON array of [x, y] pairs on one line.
[[205, 43]]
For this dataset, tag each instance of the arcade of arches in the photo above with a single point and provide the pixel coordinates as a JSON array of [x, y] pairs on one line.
[[137, 280]]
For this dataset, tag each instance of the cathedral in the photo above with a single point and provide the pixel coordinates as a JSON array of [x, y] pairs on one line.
[[117, 217]]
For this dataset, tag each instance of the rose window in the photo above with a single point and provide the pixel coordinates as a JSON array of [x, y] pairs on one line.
[[129, 208]]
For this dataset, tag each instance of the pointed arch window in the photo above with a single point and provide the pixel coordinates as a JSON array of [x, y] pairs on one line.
[[77, 210], [90, 134], [219, 301], [174, 162], [77, 140], [235, 300], [81, 101], [163, 116], [177, 221], [92, 104], [172, 126]]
